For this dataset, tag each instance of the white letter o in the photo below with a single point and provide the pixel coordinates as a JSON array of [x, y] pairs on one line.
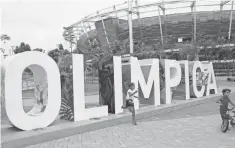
[[14, 67]]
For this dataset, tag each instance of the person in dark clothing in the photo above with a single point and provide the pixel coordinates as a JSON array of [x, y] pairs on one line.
[[224, 101], [106, 81]]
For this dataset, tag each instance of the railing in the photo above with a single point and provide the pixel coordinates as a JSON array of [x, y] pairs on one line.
[[224, 72]]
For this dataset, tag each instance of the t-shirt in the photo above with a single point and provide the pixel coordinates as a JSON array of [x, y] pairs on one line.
[[132, 97], [224, 100]]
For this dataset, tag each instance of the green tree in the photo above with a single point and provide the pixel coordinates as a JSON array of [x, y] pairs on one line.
[[187, 51], [223, 54], [233, 53], [168, 42], [5, 37], [55, 54], [39, 49], [65, 52], [60, 46], [78, 49], [62, 50], [207, 44], [22, 48]]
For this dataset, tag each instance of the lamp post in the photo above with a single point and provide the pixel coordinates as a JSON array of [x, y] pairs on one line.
[[130, 25], [230, 21]]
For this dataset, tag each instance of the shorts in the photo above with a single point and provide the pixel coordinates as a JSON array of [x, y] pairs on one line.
[[223, 113], [224, 116], [129, 102]]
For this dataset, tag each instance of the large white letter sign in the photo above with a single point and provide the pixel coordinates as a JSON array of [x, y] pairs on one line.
[[186, 78], [80, 113], [198, 93], [172, 77], [14, 67], [117, 63], [211, 83], [152, 76]]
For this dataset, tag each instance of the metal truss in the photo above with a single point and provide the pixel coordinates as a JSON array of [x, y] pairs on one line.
[[131, 9]]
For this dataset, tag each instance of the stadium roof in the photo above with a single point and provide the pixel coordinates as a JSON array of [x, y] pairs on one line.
[[149, 8]]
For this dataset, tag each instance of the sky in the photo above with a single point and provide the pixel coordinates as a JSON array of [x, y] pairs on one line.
[[40, 23]]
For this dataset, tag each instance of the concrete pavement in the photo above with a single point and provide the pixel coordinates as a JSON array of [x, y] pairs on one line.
[[192, 127], [193, 132], [163, 112]]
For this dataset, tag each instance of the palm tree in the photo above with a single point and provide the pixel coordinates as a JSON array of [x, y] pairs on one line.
[[5, 37]]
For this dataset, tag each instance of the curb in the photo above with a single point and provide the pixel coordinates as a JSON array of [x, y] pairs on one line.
[[28, 138]]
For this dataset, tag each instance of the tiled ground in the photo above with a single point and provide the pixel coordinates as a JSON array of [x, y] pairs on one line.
[[197, 126], [193, 132], [193, 127]]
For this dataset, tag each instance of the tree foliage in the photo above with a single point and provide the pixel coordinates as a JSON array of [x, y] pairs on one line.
[[55, 54], [39, 49], [61, 47], [5, 37], [78, 49], [22, 48]]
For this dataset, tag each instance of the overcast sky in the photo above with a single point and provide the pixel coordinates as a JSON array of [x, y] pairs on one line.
[[40, 23]]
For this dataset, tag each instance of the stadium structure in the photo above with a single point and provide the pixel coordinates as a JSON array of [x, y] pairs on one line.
[[156, 23]]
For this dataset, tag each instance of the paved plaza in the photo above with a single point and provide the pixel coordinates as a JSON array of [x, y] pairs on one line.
[[192, 127]]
